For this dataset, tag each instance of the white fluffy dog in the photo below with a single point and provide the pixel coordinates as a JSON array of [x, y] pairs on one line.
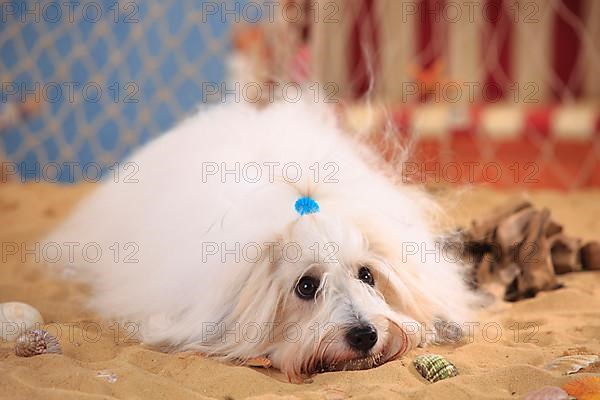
[[248, 233]]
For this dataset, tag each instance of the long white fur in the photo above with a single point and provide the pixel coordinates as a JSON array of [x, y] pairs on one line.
[[185, 299]]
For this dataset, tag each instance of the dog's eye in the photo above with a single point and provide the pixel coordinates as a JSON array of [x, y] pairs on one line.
[[307, 287], [364, 274]]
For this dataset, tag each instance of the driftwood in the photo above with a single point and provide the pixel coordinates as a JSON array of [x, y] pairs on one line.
[[485, 227], [590, 256], [511, 231], [521, 249], [565, 253], [537, 272]]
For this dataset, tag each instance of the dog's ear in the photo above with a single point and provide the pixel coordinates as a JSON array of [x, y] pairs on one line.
[[255, 311]]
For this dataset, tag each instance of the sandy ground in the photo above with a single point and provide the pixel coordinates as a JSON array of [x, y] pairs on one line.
[[502, 361]]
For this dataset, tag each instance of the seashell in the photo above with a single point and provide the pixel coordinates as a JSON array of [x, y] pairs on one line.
[[33, 343], [434, 367], [16, 318], [568, 365], [547, 393], [584, 389]]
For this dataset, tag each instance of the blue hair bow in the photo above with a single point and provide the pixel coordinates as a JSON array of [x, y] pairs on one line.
[[306, 205]]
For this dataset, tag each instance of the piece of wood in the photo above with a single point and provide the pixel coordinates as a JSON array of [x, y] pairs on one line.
[[484, 228], [485, 273], [523, 249], [511, 231], [564, 251], [553, 228], [590, 256], [537, 272]]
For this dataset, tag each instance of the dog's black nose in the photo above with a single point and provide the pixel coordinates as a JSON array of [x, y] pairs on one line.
[[362, 337]]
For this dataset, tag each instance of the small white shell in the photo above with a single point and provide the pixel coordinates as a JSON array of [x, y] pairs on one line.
[[568, 365], [16, 318]]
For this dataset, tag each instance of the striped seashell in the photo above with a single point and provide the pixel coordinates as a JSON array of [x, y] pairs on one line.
[[33, 343], [568, 365], [434, 367], [547, 393]]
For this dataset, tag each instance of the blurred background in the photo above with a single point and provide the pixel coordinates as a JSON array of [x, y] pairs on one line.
[[489, 92]]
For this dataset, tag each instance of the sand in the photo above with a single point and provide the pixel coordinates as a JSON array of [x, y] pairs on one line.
[[101, 362]]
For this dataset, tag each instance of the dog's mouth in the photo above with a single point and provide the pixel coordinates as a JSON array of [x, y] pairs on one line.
[[397, 344], [353, 364]]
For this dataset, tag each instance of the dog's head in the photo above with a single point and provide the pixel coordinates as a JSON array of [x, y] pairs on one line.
[[332, 296], [334, 313]]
